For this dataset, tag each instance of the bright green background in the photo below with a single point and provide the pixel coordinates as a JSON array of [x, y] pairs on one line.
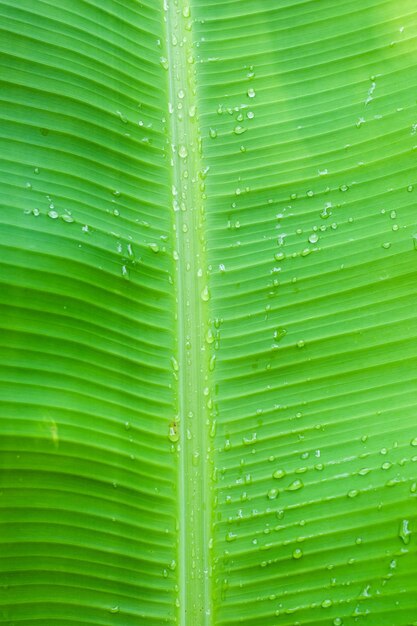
[[310, 224]]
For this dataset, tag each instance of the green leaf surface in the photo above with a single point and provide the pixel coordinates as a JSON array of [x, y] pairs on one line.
[[208, 313]]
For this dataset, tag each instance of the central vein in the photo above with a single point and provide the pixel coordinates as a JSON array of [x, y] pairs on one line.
[[193, 361]]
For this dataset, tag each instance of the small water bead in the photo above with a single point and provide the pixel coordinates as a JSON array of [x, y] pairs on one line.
[[386, 245], [326, 603], [173, 434], [154, 247], [251, 93], [53, 214], [413, 442], [205, 294], [250, 115], [36, 212], [239, 130], [164, 62], [353, 493], [295, 485], [297, 554], [230, 536], [67, 218], [186, 11], [410, 188], [310, 193], [337, 621], [183, 152], [343, 187], [313, 238], [114, 609], [272, 494], [300, 344], [173, 565], [405, 532], [279, 333], [213, 133]]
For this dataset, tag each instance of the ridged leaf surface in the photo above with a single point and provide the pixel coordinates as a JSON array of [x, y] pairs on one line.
[[208, 312]]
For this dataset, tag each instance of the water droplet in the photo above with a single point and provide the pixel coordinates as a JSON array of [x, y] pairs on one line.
[[114, 609], [279, 473], [183, 152], [343, 187], [353, 493], [279, 333], [295, 485], [205, 294], [239, 130], [337, 621], [231, 536], [313, 238], [272, 494], [164, 62], [251, 93], [67, 218], [326, 603], [297, 554], [405, 532], [173, 434], [53, 214], [413, 442]]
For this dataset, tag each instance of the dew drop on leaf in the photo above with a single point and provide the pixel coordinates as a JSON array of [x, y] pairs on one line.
[[295, 485], [297, 554], [205, 294], [405, 532]]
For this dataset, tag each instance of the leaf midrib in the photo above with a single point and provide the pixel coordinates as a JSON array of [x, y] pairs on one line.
[[192, 351]]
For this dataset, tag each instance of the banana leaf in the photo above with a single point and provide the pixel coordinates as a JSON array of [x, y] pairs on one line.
[[208, 319]]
